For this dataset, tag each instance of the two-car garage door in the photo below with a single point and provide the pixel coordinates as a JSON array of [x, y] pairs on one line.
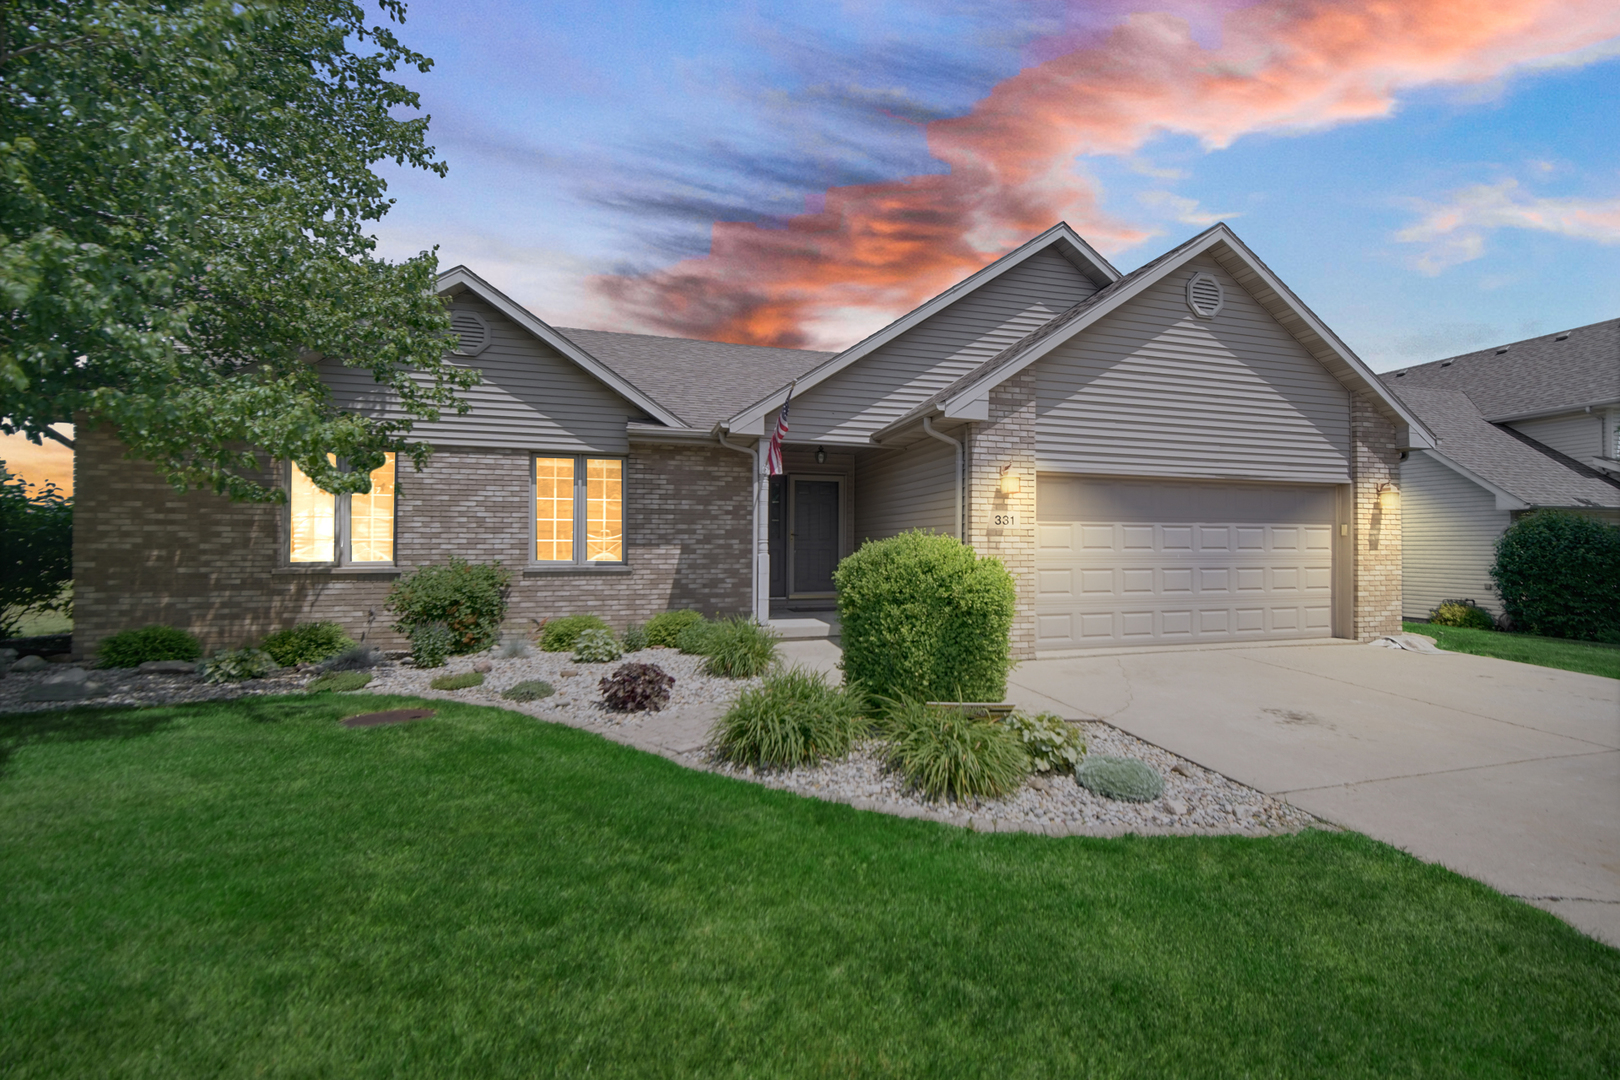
[[1121, 562]]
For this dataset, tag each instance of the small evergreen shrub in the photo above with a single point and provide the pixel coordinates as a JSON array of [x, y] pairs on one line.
[[307, 643], [637, 688], [694, 640], [464, 681], [431, 643], [738, 648], [665, 628], [1120, 778], [468, 598], [559, 635], [236, 665], [1050, 741], [1457, 613], [947, 753], [596, 647], [338, 682], [793, 718], [528, 690], [512, 649], [634, 637], [359, 658], [926, 619], [132, 648], [1558, 574]]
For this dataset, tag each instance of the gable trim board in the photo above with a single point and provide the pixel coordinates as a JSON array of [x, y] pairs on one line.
[[1505, 500]]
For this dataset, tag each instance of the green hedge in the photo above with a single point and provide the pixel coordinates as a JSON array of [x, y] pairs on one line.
[[468, 598], [1558, 574], [132, 648], [307, 643]]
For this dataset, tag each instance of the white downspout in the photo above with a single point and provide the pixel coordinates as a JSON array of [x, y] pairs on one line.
[[762, 542], [929, 428]]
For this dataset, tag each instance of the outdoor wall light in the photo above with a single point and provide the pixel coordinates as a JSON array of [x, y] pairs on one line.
[[821, 455], [1388, 497], [1010, 482]]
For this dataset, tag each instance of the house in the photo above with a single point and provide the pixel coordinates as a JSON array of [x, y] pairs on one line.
[[1517, 427], [1181, 454]]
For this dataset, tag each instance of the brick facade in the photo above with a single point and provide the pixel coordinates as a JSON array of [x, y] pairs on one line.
[[145, 553], [1374, 460], [1003, 526]]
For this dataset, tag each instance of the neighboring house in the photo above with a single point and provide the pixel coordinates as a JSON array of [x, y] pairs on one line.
[[1182, 454], [1517, 428]]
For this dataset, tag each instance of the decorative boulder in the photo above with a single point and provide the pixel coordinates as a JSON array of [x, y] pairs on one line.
[[29, 663], [168, 667], [69, 684]]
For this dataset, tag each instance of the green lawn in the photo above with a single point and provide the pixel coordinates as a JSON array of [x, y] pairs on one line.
[[251, 889], [1584, 656]]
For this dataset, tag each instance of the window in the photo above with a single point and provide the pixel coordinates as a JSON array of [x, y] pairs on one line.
[[324, 526], [578, 510]]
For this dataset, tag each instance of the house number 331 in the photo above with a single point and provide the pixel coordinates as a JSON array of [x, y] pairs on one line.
[[1006, 519]]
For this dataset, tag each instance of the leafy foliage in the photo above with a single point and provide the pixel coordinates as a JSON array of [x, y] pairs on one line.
[[237, 665], [465, 681], [36, 549], [560, 635], [948, 753], [338, 682], [596, 646], [358, 658], [665, 628], [430, 644], [132, 648], [634, 637], [1050, 741], [528, 690], [694, 639], [793, 718], [512, 649], [1120, 778], [468, 598], [1558, 574], [184, 197], [307, 643], [1457, 613], [924, 618], [637, 688], [738, 648]]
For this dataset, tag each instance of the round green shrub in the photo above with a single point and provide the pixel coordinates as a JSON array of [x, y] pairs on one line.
[[430, 644], [132, 648], [464, 681], [236, 665], [528, 690], [1457, 613], [560, 635], [926, 619], [948, 753], [468, 598], [665, 628], [634, 637], [1558, 574], [793, 718], [307, 643], [596, 646], [739, 648], [1120, 778], [339, 682], [694, 640]]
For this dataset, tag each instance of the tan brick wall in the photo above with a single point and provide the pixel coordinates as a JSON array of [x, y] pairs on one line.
[[145, 553], [1375, 461], [1003, 526]]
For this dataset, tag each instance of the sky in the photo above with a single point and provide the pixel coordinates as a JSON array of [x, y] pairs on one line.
[[1430, 176]]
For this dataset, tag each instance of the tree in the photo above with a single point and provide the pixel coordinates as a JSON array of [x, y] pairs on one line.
[[1558, 574], [184, 192], [36, 550]]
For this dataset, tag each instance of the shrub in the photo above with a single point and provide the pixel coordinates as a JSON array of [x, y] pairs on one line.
[[339, 682], [634, 637], [237, 665], [1558, 574], [430, 644], [465, 680], [738, 648], [1050, 741], [1458, 613], [359, 658], [694, 640], [926, 619], [596, 647], [528, 690], [36, 552], [512, 649], [468, 598], [637, 687], [559, 635], [793, 718], [945, 752], [132, 648], [1120, 778], [308, 643], [665, 628]]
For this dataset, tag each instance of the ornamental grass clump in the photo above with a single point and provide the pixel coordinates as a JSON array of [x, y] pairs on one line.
[[1121, 778], [468, 598], [1558, 574], [465, 681], [561, 634], [665, 628], [596, 646], [1467, 616], [236, 665], [793, 718], [132, 648], [637, 688], [431, 643], [738, 648], [528, 690], [359, 658], [306, 643], [338, 682], [1052, 743], [948, 753]]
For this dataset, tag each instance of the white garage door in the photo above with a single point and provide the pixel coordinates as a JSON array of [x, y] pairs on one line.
[[1133, 562]]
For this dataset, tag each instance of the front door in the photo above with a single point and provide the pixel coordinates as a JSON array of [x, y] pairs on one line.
[[814, 536]]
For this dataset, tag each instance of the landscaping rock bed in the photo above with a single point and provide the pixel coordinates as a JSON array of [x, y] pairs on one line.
[[127, 686]]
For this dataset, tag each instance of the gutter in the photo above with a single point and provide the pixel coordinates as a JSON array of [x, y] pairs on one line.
[[760, 580], [928, 426]]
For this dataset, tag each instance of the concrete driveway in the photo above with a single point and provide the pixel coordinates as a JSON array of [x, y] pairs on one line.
[[1505, 772]]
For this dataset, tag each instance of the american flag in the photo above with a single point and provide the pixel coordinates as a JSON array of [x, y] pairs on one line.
[[773, 455]]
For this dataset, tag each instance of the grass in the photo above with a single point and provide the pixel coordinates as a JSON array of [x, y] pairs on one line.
[[250, 888], [1589, 657]]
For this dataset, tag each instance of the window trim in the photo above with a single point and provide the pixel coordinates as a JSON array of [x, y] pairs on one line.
[[581, 512], [342, 540]]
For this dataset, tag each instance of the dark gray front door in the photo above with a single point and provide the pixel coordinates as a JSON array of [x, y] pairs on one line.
[[815, 535]]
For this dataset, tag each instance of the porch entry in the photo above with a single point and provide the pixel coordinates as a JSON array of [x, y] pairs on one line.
[[805, 534]]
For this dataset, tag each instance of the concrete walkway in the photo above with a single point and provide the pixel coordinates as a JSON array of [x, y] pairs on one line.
[[1505, 772]]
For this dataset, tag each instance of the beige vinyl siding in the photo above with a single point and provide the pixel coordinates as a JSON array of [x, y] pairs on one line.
[[887, 382], [1153, 390], [1449, 526], [1580, 435], [531, 397], [914, 488]]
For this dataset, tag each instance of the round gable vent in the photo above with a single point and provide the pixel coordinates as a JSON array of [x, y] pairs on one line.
[[1204, 295], [471, 329]]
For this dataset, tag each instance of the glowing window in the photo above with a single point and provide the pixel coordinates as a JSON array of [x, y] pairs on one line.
[[554, 509], [314, 520], [371, 518], [604, 510]]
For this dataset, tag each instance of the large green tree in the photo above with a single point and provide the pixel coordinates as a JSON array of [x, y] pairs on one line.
[[185, 192]]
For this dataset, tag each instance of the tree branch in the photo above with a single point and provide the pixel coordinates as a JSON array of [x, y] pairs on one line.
[[8, 57], [51, 433]]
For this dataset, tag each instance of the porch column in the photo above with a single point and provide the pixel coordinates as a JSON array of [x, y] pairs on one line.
[[1002, 524]]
